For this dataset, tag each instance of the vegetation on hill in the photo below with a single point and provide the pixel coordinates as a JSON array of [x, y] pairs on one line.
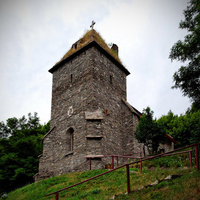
[[20, 145], [185, 129], [105, 187], [150, 133], [185, 187], [21, 139]]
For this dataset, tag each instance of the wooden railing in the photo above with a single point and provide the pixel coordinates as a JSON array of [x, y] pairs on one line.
[[138, 161]]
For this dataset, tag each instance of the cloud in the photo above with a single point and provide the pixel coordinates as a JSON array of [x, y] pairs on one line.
[[36, 34]]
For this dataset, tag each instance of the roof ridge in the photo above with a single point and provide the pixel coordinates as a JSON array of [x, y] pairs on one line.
[[89, 36]]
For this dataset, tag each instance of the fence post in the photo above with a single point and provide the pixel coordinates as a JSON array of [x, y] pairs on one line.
[[197, 157], [128, 179], [140, 165], [190, 155], [57, 196], [90, 163], [113, 162]]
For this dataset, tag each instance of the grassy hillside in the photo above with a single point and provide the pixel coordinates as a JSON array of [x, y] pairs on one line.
[[105, 187]]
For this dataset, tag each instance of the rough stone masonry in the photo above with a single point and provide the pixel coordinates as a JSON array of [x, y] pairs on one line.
[[90, 115]]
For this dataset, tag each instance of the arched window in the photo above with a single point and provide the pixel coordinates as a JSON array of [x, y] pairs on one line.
[[70, 139]]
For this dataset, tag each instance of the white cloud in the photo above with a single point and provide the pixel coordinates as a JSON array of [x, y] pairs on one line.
[[36, 34]]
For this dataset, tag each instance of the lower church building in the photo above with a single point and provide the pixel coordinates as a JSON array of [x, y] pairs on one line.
[[90, 115]]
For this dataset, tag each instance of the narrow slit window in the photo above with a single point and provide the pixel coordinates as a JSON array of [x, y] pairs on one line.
[[70, 139], [71, 78], [111, 79]]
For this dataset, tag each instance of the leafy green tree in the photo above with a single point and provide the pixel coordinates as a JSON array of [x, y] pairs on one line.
[[168, 122], [20, 145], [150, 133], [187, 78], [185, 129]]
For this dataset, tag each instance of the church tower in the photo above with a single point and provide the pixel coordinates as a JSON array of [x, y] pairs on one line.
[[90, 115]]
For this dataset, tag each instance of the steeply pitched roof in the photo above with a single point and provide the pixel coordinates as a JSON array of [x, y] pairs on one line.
[[91, 38]]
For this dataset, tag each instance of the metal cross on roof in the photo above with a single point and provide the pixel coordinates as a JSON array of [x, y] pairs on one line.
[[92, 25]]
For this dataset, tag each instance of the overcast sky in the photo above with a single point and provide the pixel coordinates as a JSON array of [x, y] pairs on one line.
[[35, 34]]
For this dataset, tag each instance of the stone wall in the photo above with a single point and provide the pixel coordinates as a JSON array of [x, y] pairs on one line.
[[88, 116], [168, 146]]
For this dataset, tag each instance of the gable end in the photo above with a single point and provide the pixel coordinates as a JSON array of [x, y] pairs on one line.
[[78, 52]]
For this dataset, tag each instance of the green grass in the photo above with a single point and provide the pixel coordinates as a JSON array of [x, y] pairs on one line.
[[106, 186], [186, 187], [173, 161], [99, 188]]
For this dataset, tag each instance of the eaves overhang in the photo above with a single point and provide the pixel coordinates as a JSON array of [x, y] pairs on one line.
[[89, 45]]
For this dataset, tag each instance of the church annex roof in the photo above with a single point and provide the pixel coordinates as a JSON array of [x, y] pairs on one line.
[[132, 109], [91, 38]]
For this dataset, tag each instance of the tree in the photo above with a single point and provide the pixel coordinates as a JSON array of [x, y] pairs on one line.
[[187, 78], [184, 129], [20, 145], [149, 132], [168, 122]]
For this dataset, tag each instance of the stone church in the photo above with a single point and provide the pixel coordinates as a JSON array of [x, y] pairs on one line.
[[90, 115]]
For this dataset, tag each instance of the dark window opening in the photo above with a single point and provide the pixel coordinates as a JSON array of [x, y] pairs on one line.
[[71, 78], [111, 79], [96, 137], [95, 158], [107, 112], [70, 139], [75, 46]]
